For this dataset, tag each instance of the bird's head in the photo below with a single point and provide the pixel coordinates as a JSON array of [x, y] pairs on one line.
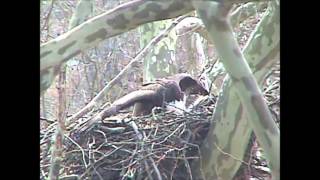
[[190, 85]]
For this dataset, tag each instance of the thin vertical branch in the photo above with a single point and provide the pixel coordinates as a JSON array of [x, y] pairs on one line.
[[46, 23], [57, 149]]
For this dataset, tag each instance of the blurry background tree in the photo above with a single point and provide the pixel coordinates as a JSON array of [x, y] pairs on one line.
[[160, 61]]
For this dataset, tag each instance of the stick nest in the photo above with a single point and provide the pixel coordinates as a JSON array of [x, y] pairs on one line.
[[161, 145]]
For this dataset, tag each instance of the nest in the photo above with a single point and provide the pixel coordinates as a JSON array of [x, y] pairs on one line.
[[158, 146]]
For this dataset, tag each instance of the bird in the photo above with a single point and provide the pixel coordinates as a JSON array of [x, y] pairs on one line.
[[163, 91], [172, 90]]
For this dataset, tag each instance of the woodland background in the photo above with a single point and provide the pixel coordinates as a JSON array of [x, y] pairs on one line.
[[184, 49]]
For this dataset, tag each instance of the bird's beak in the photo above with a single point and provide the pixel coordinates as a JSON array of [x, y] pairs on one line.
[[204, 83]]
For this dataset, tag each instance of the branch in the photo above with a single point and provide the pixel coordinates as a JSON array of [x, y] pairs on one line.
[[246, 87], [48, 16], [195, 24], [116, 21], [57, 150]]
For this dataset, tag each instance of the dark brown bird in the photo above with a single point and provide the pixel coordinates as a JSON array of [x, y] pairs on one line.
[[171, 89], [154, 94]]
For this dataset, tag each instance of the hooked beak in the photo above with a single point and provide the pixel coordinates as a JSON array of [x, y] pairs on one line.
[[204, 84]]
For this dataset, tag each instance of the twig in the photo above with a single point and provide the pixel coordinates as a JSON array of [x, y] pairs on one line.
[[155, 168], [50, 128], [192, 30], [100, 159], [230, 155], [43, 173], [135, 128], [48, 15], [113, 130], [173, 169], [81, 149], [101, 132], [186, 162], [166, 138], [148, 169], [73, 176], [48, 120]]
